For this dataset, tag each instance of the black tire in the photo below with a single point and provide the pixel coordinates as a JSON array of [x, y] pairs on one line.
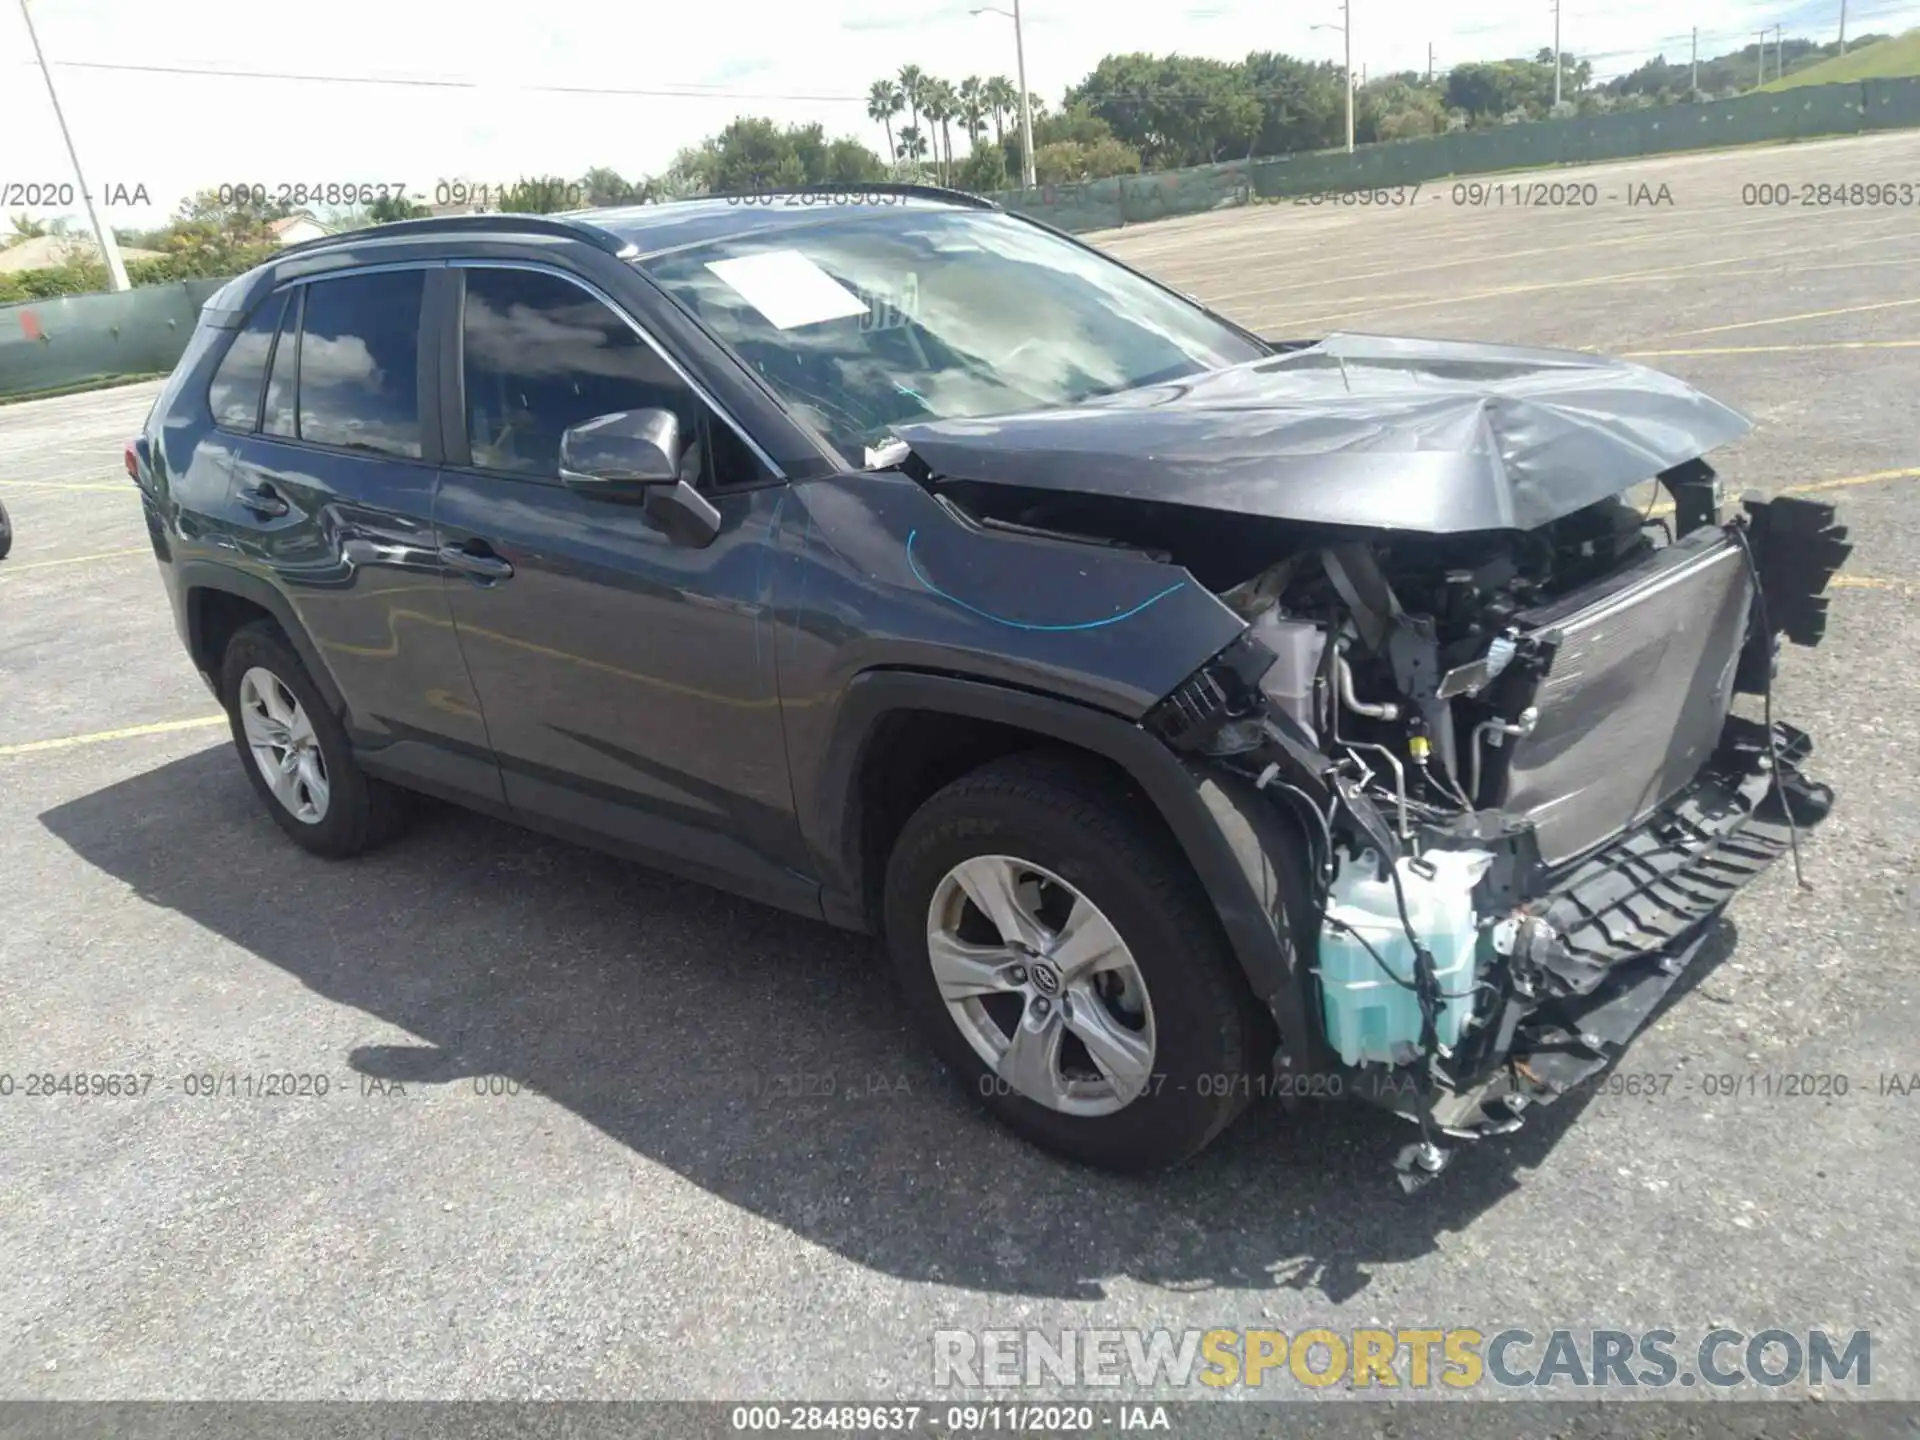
[[6, 532], [1090, 829], [361, 812]]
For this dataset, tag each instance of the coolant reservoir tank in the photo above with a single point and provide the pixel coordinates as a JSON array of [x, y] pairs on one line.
[[1368, 1015]]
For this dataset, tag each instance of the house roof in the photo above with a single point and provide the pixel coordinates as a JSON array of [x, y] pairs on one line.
[[44, 252], [282, 226]]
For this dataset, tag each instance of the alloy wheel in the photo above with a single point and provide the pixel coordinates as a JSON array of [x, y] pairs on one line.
[[284, 746], [1042, 986]]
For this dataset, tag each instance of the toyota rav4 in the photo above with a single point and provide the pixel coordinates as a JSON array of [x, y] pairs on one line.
[[1194, 715]]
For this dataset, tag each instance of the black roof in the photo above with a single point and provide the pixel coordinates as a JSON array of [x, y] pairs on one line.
[[654, 229]]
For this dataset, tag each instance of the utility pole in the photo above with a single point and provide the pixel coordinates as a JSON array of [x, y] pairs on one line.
[[1556, 53], [1026, 105], [1430, 58], [1694, 84], [1346, 30], [109, 248], [1763, 59], [1779, 52], [1843, 27]]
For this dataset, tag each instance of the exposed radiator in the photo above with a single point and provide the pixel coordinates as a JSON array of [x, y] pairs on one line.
[[1634, 699]]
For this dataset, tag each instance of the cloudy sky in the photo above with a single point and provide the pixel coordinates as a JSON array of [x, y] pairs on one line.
[[398, 90]]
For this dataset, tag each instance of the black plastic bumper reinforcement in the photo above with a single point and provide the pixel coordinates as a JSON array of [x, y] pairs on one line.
[[1627, 921]]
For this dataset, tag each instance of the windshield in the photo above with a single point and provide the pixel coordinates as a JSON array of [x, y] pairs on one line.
[[863, 322]]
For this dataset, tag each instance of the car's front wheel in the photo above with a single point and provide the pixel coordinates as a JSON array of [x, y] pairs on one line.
[[295, 750], [1058, 951]]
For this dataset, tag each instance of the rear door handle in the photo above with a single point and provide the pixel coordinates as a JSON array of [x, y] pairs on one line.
[[263, 500], [477, 560]]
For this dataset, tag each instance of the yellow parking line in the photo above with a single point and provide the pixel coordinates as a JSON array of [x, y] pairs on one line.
[[1871, 582], [1775, 349], [1803, 315], [6, 570], [126, 489], [1840, 482], [1846, 480], [67, 742]]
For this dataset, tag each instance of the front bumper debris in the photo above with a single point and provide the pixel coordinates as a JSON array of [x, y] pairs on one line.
[[1618, 930]]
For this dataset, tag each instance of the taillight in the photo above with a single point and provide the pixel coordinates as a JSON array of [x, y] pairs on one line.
[[132, 458]]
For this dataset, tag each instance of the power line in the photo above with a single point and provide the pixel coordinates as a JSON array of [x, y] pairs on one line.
[[424, 82]]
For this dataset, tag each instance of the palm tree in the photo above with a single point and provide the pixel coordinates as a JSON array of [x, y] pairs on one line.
[[913, 144], [884, 101], [1002, 99], [912, 81], [973, 109], [939, 105]]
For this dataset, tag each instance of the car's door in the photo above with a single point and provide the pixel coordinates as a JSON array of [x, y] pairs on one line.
[[627, 677], [332, 498]]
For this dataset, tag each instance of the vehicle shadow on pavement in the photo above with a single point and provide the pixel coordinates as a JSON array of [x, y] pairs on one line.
[[761, 1056]]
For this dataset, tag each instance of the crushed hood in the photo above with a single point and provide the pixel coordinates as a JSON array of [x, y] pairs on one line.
[[1436, 436]]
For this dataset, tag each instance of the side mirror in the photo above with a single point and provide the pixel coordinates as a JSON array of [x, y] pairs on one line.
[[619, 455], [636, 455]]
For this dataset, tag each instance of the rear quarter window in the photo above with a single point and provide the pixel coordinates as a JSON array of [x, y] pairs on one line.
[[234, 394]]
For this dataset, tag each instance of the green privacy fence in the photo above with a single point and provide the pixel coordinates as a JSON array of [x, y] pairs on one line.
[[1809, 111], [57, 344], [79, 339]]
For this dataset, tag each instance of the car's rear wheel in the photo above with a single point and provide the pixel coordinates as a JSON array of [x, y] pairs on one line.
[[295, 750], [6, 532], [1058, 951]]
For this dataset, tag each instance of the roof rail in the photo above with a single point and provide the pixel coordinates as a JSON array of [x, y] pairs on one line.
[[465, 224], [862, 187]]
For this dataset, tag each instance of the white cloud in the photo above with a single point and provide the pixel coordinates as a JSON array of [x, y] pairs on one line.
[[176, 133]]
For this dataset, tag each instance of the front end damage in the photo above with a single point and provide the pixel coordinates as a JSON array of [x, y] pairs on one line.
[[1496, 698], [1524, 789]]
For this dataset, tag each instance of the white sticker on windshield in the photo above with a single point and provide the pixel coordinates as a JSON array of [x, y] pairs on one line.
[[788, 288]]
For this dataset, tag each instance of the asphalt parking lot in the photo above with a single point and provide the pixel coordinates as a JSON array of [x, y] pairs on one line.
[[592, 1133]]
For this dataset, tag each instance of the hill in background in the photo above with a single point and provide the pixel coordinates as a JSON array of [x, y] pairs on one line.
[[1899, 55]]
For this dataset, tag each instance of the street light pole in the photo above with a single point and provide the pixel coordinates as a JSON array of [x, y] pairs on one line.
[[1556, 53], [1026, 106], [109, 248], [1345, 27], [1346, 31]]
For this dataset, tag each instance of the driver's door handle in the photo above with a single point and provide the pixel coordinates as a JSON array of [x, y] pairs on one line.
[[263, 500], [476, 559]]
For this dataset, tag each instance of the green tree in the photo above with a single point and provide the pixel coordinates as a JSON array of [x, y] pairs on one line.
[[885, 99], [973, 109], [603, 186], [540, 195], [1002, 100], [938, 104], [1173, 109], [984, 170], [1066, 162], [389, 208], [912, 78]]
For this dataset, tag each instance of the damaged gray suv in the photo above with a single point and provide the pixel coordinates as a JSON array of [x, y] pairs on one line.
[[1197, 717]]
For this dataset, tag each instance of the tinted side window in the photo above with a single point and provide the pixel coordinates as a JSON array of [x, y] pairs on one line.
[[234, 395], [541, 355], [277, 418], [360, 362]]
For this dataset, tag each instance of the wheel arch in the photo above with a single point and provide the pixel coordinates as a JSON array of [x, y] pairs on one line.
[[1239, 846], [219, 599]]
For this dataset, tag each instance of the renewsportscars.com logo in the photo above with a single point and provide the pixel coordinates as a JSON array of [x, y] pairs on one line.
[[1457, 1358]]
